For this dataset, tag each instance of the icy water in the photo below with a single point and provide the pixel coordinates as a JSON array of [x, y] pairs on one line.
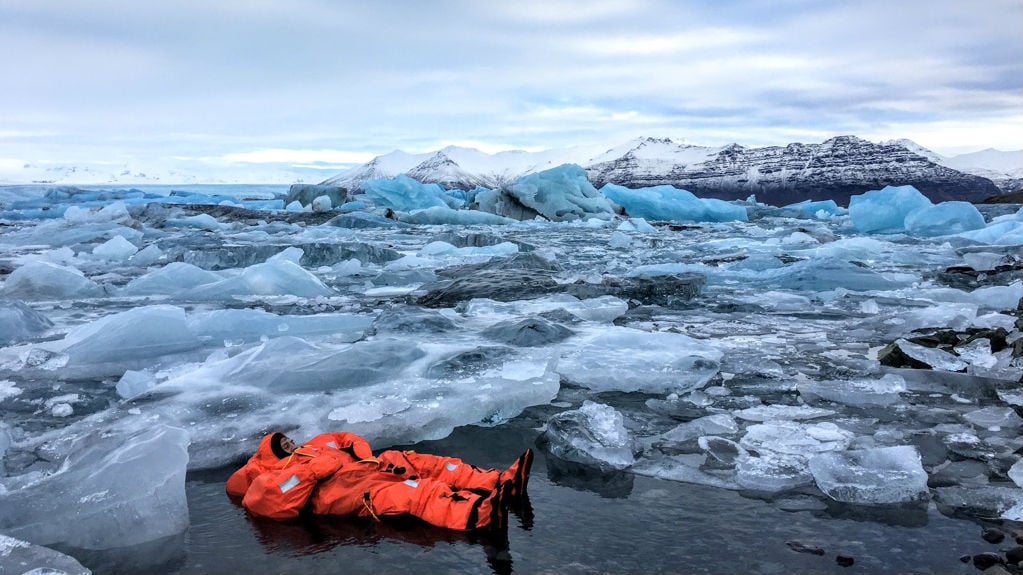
[[674, 421], [581, 521]]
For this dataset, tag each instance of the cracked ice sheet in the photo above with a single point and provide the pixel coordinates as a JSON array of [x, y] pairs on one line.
[[374, 388]]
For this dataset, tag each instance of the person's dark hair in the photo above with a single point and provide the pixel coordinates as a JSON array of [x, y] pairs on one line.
[[275, 445]]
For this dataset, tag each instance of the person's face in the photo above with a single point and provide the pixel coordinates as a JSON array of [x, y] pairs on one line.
[[287, 444]]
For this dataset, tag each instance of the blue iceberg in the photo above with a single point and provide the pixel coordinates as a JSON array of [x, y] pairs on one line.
[[405, 194], [810, 209], [559, 194], [944, 219], [667, 203], [438, 215], [885, 210], [1005, 233]]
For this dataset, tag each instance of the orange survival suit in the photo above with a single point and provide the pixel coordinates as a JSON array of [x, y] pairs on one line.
[[337, 474]]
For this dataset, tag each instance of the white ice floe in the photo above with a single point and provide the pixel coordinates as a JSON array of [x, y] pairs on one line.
[[880, 476]]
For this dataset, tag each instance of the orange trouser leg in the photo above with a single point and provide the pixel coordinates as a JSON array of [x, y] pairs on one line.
[[450, 470], [432, 501]]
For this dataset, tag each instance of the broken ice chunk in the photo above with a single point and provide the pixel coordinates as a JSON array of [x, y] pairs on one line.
[[19, 322], [39, 280], [594, 434], [772, 472], [115, 489], [883, 391], [115, 249], [987, 501], [1015, 472], [709, 425], [880, 476], [139, 333], [784, 412], [978, 353], [787, 437], [18, 556], [994, 418], [932, 357], [134, 383]]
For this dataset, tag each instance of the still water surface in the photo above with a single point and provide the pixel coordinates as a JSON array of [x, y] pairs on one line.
[[580, 522]]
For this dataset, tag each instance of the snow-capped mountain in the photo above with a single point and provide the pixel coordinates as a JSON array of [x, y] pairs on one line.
[[460, 167], [834, 169], [1005, 169]]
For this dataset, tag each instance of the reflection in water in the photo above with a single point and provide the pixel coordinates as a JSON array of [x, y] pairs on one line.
[[612, 484], [164, 555], [310, 534], [908, 515]]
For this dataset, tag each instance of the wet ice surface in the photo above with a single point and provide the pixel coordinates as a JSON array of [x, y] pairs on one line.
[[673, 426]]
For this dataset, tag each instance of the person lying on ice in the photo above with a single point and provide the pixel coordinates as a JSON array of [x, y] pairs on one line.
[[337, 474]]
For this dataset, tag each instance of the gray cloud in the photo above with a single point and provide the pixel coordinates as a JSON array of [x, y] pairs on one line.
[[198, 79]]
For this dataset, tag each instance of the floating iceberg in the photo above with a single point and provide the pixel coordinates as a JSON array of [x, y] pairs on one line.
[[558, 194], [782, 412], [944, 219], [997, 233], [115, 489], [667, 203], [405, 194], [19, 322], [636, 225], [134, 383], [115, 249], [140, 333], [718, 424], [627, 359], [772, 472], [201, 222], [273, 277], [113, 212], [881, 476], [857, 392], [38, 280], [594, 434], [885, 210], [791, 438], [171, 279], [812, 209], [438, 215]]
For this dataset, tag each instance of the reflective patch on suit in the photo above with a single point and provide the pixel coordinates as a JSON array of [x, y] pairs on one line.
[[288, 483], [450, 466], [331, 444], [411, 483]]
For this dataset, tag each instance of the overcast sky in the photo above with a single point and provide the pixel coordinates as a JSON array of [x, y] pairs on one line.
[[338, 82]]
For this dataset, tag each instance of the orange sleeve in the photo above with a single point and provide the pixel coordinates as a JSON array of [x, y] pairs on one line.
[[282, 494], [239, 482]]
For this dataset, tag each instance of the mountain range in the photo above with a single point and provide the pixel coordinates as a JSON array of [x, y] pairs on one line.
[[834, 169]]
